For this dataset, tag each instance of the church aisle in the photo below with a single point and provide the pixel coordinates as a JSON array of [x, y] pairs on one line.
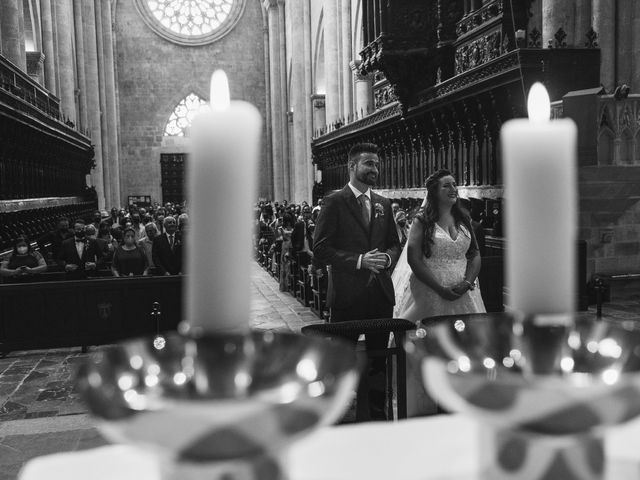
[[40, 412]]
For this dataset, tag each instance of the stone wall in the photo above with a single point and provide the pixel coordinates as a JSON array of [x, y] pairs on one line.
[[154, 74]]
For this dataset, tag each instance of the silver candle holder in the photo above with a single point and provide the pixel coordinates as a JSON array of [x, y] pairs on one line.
[[218, 406], [545, 387]]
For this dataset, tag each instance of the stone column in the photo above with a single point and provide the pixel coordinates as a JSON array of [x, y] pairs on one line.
[[12, 28], [635, 50], [535, 21], [583, 22], [81, 80], [110, 96], [624, 42], [93, 96], [332, 64], [604, 14], [275, 92], [104, 126], [556, 15], [347, 49], [299, 160], [286, 159], [66, 67], [364, 89], [46, 20], [308, 88], [266, 168]]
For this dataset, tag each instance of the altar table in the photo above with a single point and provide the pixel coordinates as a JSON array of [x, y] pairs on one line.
[[443, 447]]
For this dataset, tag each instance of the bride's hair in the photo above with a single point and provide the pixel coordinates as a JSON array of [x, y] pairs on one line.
[[429, 213]]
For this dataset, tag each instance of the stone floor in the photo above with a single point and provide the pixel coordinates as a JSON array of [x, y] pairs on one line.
[[40, 412]]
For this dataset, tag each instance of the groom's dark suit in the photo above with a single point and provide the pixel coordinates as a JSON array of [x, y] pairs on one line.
[[340, 237]]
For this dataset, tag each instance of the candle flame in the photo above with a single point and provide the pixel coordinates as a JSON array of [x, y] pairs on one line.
[[219, 99], [538, 103]]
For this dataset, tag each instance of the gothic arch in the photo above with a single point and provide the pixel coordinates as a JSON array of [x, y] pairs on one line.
[[626, 147], [605, 146], [180, 118]]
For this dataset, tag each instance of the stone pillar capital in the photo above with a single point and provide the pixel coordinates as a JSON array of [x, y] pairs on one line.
[[35, 61], [355, 68], [267, 4], [317, 100]]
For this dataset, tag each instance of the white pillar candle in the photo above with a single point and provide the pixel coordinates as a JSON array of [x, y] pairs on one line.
[[540, 176], [221, 189]]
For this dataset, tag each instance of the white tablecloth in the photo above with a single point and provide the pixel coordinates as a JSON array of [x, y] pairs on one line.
[[445, 447]]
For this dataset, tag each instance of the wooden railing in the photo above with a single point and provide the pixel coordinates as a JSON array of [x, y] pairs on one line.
[[86, 312]]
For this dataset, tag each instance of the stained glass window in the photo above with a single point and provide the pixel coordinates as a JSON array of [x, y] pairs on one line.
[[191, 17], [191, 22], [183, 114]]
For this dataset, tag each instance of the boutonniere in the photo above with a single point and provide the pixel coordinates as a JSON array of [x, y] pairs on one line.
[[379, 210]]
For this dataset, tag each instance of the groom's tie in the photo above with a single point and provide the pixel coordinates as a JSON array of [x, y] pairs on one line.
[[363, 200]]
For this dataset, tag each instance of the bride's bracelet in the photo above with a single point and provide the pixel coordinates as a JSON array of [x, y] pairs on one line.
[[471, 285]]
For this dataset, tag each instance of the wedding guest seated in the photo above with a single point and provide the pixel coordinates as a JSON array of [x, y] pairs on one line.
[[23, 263], [167, 249], [301, 241], [79, 254], [146, 244], [96, 219], [159, 219], [51, 242], [402, 226], [129, 259], [102, 245], [137, 225], [183, 218]]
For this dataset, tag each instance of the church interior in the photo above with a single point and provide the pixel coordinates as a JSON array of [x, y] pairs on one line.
[[97, 100]]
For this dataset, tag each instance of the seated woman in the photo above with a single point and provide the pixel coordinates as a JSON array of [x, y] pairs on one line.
[[129, 259], [23, 263]]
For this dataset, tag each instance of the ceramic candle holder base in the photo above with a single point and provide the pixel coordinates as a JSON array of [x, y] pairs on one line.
[[514, 455], [219, 406], [256, 468], [548, 387]]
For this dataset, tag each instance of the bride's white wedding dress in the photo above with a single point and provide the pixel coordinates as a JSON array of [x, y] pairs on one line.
[[415, 300], [448, 263]]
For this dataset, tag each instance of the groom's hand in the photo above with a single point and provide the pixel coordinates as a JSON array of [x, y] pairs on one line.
[[374, 261]]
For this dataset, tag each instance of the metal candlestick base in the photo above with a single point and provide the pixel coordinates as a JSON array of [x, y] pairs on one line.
[[226, 404], [545, 386]]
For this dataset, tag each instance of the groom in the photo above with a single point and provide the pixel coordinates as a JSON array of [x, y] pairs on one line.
[[356, 236]]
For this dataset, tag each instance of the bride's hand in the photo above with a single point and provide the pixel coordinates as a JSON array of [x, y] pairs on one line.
[[449, 293], [461, 288]]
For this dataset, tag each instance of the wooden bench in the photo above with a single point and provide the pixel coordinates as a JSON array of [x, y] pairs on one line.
[[619, 286], [85, 312]]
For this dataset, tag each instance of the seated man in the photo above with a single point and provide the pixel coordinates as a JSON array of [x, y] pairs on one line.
[[167, 249], [51, 242], [79, 254]]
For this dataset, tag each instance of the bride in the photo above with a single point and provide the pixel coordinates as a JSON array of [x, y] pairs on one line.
[[437, 270]]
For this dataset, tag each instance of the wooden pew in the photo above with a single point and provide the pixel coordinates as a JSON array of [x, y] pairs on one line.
[[86, 312]]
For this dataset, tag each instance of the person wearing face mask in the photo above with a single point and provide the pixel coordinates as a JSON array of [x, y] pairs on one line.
[[79, 254], [23, 263]]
